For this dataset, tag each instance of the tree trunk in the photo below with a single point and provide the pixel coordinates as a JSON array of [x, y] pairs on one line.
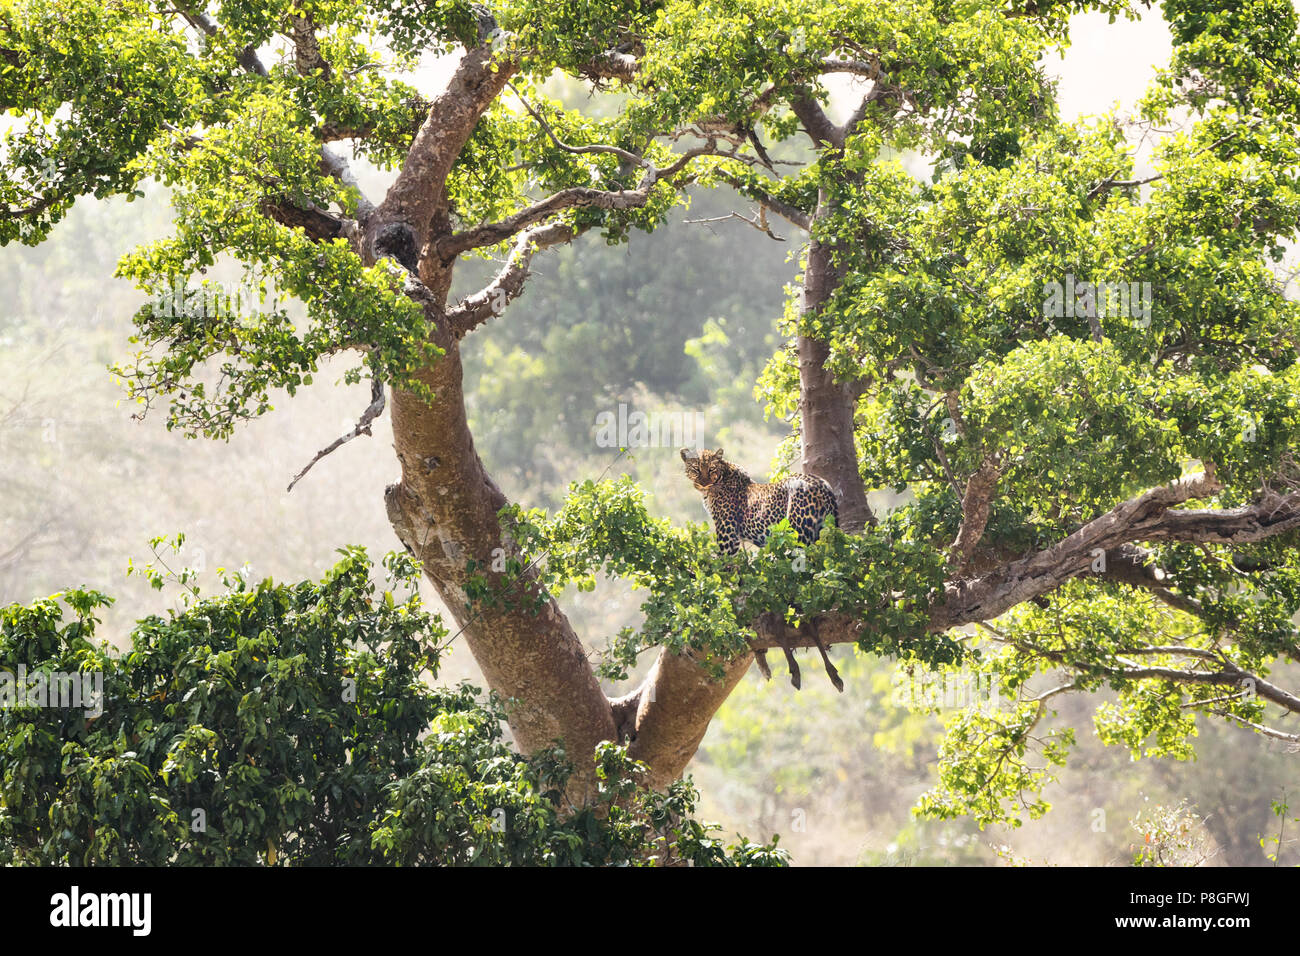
[[444, 510], [826, 407], [665, 720]]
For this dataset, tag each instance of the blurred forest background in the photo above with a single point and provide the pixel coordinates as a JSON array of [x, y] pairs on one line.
[[678, 322]]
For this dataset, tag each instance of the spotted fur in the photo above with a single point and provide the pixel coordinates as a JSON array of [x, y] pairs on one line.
[[743, 509]]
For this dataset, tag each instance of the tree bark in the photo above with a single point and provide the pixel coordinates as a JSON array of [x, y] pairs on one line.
[[445, 507], [665, 720], [444, 510], [826, 406]]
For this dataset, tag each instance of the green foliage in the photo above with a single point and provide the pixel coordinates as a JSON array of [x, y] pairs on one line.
[[713, 58], [296, 724], [221, 188], [95, 86], [1090, 637]]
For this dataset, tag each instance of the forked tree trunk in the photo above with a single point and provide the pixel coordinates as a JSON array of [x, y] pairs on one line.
[[444, 510], [445, 507]]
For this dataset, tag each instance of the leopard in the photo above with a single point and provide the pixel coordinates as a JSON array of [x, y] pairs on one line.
[[745, 510]]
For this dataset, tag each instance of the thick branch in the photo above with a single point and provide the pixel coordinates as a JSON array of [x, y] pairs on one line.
[[445, 511], [1131, 565], [247, 57], [35, 206], [489, 301], [868, 68], [307, 55], [1144, 518], [827, 407], [314, 221], [489, 234], [667, 717], [416, 195], [1148, 517], [816, 123], [338, 167]]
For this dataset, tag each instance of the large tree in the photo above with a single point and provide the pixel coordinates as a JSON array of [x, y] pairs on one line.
[[1112, 477]]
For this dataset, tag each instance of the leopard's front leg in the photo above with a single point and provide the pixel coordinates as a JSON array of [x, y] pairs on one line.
[[728, 536]]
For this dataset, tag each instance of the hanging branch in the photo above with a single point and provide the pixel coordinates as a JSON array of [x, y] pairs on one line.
[[373, 411]]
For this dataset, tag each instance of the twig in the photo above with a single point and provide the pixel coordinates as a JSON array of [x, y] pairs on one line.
[[759, 222], [373, 411]]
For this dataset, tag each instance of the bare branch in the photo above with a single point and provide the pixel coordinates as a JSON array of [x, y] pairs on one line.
[[1054, 692], [1227, 675], [791, 214], [491, 300], [373, 411], [758, 221], [1260, 728], [626, 155], [1110, 182]]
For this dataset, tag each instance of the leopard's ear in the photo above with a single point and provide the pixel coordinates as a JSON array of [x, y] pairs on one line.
[[687, 455], [718, 453]]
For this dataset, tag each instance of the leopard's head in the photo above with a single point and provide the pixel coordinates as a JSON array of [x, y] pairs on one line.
[[705, 469]]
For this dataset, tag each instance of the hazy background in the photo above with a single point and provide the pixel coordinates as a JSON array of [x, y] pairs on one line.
[[84, 488]]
